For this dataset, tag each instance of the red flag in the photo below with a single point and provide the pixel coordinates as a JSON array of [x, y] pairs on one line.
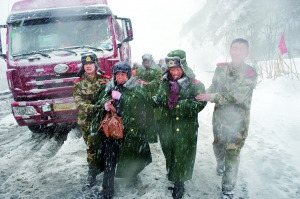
[[282, 46]]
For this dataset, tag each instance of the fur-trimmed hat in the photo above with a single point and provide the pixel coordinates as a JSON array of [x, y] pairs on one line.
[[173, 62], [122, 67], [88, 58], [182, 55], [147, 57]]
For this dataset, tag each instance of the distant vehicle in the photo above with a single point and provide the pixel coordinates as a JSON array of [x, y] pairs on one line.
[[44, 43]]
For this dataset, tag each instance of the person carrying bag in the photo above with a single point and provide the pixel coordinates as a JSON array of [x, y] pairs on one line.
[[123, 151], [112, 124]]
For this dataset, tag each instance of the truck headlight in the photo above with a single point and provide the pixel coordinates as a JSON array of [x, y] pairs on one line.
[[24, 110], [46, 108]]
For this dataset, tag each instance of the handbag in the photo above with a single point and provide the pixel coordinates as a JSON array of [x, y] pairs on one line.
[[112, 124]]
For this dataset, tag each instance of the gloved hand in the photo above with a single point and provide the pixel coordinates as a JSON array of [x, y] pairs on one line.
[[116, 95], [203, 97], [106, 106]]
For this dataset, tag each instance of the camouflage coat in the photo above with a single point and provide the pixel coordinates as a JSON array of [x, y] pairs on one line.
[[179, 127], [84, 92], [231, 91], [135, 152]]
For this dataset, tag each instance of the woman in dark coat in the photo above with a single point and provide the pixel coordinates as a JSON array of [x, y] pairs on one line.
[[132, 153], [179, 122]]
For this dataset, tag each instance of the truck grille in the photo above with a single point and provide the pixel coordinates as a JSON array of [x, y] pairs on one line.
[[57, 85], [55, 81], [50, 77]]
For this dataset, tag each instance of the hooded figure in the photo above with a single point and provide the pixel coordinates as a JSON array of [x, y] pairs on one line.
[[182, 55], [179, 124], [132, 153], [149, 71], [150, 75]]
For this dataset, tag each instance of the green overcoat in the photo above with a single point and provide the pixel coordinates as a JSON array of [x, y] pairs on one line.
[[151, 78], [179, 126], [135, 152]]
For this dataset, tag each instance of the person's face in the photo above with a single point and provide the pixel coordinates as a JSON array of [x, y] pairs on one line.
[[176, 73], [90, 68], [238, 53], [147, 63], [121, 77]]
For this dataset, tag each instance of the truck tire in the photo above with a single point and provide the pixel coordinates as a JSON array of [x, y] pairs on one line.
[[59, 129], [38, 128]]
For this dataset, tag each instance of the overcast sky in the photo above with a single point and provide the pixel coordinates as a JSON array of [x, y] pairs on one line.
[[156, 23]]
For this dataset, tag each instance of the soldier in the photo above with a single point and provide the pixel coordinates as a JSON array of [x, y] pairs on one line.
[[182, 55], [149, 74], [231, 91], [179, 123], [84, 91]]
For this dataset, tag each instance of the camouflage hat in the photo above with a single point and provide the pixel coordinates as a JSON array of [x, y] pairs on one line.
[[177, 53], [173, 62]]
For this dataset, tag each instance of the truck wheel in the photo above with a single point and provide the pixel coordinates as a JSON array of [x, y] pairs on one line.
[[38, 128]]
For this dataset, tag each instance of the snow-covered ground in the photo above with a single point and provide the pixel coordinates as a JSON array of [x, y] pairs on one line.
[[40, 166]]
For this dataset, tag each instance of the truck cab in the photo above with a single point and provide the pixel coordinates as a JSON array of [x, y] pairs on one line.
[[44, 44]]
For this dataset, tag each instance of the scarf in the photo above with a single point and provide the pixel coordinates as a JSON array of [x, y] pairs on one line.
[[174, 95]]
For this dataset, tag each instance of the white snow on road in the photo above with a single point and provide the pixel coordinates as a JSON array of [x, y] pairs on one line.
[[37, 166]]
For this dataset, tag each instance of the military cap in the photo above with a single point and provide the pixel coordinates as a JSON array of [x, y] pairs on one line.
[[147, 57], [122, 67], [173, 62], [89, 58]]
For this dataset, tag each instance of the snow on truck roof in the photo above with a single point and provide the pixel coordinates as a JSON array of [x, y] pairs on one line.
[[28, 5], [30, 9]]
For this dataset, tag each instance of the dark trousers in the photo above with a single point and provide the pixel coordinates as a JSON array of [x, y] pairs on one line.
[[111, 155]]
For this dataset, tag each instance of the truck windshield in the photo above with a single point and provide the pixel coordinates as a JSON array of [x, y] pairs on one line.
[[36, 35]]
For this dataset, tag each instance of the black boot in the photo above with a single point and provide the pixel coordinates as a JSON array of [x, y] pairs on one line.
[[91, 178], [106, 194], [227, 196], [178, 190]]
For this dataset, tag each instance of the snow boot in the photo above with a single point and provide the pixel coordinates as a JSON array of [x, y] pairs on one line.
[[106, 194], [227, 196], [178, 190], [91, 178]]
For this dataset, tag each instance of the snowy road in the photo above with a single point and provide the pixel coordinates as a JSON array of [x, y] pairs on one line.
[[41, 166]]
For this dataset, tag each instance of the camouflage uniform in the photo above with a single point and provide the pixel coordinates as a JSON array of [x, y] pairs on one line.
[[231, 91], [84, 92]]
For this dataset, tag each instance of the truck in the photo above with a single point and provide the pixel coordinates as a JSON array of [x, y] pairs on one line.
[[44, 43]]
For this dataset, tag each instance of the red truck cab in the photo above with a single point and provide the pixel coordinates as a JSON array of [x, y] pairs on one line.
[[44, 43]]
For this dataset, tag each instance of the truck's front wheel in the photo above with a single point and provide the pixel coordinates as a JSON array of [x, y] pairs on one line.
[[60, 129], [38, 128]]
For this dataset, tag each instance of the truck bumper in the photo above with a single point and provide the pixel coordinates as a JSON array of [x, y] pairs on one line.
[[46, 112]]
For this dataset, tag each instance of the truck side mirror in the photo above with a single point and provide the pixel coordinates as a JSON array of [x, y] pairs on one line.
[[1, 53], [127, 29]]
